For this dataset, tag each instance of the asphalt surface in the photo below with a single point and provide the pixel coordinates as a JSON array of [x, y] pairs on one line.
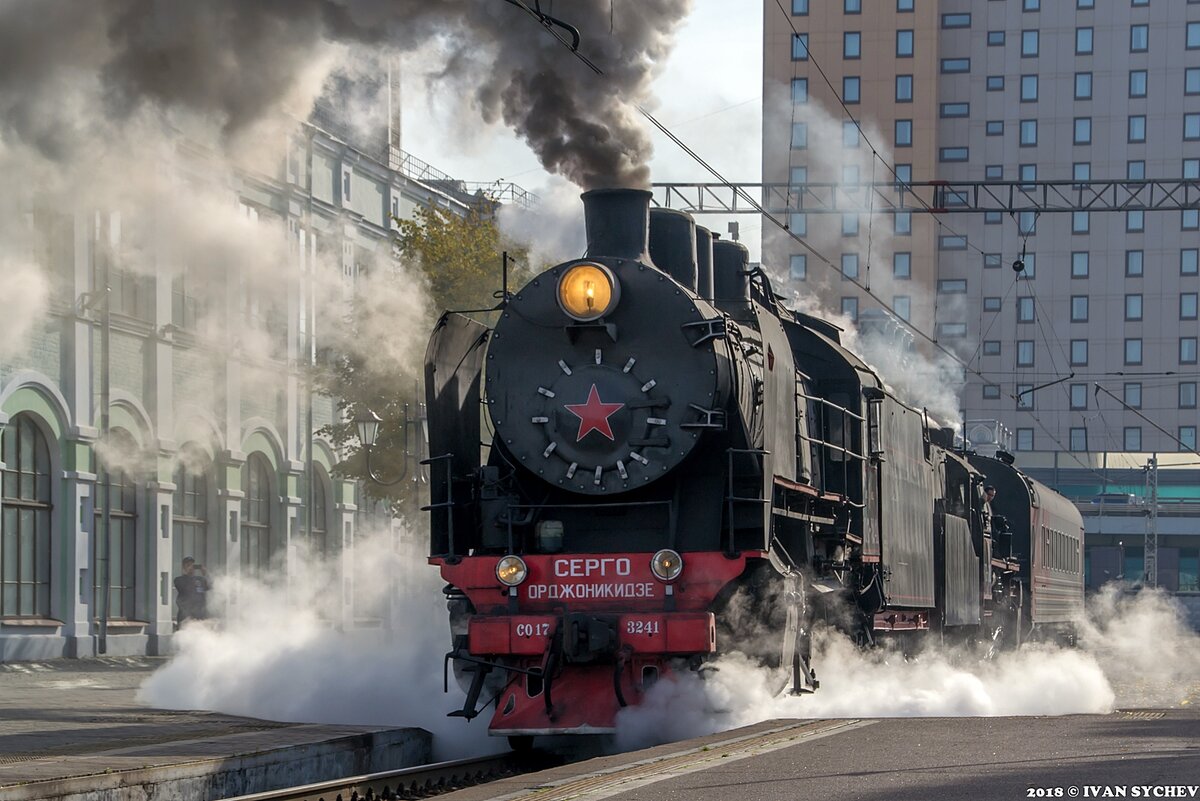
[[899, 759]]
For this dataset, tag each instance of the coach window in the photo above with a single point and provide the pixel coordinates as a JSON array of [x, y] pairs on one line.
[[25, 551]]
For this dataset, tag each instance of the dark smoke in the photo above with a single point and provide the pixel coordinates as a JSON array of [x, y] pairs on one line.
[[70, 70]]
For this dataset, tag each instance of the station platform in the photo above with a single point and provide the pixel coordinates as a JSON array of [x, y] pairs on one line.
[[892, 759], [71, 729]]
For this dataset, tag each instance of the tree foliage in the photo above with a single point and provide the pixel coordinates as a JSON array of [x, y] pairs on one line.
[[459, 258]]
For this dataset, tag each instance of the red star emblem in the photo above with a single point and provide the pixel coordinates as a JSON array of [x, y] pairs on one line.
[[593, 415]]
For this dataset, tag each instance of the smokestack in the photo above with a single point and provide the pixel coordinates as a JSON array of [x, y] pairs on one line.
[[704, 263], [673, 244], [618, 223], [730, 278]]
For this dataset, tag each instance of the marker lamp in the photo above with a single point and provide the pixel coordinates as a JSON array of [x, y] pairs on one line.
[[587, 291], [666, 565], [511, 571]]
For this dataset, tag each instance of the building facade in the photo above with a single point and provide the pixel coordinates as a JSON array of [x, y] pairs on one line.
[[209, 447], [1012, 90]]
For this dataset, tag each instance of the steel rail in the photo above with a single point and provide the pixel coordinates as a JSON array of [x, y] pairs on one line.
[[421, 781]]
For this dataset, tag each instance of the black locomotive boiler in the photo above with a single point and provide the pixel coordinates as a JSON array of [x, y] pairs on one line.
[[669, 465]]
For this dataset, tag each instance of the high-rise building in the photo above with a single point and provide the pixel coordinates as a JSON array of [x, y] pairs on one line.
[[1009, 90]]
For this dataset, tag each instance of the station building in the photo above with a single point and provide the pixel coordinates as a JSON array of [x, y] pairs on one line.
[[209, 445]]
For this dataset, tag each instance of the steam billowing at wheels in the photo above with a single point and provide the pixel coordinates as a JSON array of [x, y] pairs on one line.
[[675, 466]]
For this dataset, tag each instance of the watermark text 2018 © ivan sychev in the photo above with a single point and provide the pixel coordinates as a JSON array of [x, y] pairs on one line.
[[1115, 791]]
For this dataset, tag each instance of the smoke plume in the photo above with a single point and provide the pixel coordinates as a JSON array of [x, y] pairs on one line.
[[1134, 651], [68, 72], [276, 650]]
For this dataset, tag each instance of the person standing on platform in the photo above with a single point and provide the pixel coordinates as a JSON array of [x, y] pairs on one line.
[[193, 587]]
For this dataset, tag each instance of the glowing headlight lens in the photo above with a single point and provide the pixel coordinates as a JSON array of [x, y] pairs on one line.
[[667, 565], [511, 571], [587, 291]]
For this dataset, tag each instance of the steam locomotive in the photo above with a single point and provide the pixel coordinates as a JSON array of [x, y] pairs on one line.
[[677, 466]]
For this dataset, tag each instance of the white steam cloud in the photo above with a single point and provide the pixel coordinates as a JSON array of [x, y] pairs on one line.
[[277, 651], [1134, 651]]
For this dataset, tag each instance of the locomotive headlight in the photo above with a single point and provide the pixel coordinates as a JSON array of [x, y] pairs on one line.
[[511, 570], [588, 291], [666, 565]]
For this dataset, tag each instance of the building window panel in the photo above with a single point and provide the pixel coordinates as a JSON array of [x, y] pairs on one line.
[[26, 525], [1137, 128], [952, 329], [1083, 41], [991, 304], [1025, 353], [904, 133], [1187, 306], [995, 83], [1083, 86], [849, 224], [1191, 168], [1135, 170], [799, 90], [799, 135], [902, 306], [1133, 308], [1078, 439], [1138, 85], [1191, 127], [1133, 438], [851, 45], [1024, 396], [852, 6], [1079, 308], [1025, 310], [1081, 222], [1193, 35], [902, 222], [904, 44], [1187, 438], [904, 6], [1139, 38], [991, 391], [1190, 219], [955, 110], [1029, 133], [902, 265], [850, 265], [850, 308], [1029, 88], [1187, 350], [1135, 221], [1189, 261], [991, 347], [995, 38], [1132, 394], [956, 65], [995, 128], [851, 84], [1187, 394], [1083, 130], [961, 20], [904, 88], [850, 134], [1025, 439], [1191, 81], [1079, 396], [1134, 263], [1133, 350], [799, 8], [1029, 44], [1079, 352], [1079, 264], [799, 266], [800, 47]]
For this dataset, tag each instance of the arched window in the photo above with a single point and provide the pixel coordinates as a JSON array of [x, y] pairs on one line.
[[320, 515], [190, 507], [256, 515], [120, 456], [25, 539]]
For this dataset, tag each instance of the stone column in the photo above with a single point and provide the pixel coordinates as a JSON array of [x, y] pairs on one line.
[[228, 470], [343, 518], [79, 502], [159, 497]]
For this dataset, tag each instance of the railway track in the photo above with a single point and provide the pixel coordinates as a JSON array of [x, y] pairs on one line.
[[422, 781]]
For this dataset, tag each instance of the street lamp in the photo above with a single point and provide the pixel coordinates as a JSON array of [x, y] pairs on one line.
[[368, 432]]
